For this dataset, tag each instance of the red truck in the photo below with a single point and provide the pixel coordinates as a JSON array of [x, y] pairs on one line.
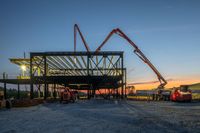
[[67, 95], [181, 94]]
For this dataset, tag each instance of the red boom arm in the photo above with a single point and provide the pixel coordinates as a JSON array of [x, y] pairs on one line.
[[138, 52], [76, 28]]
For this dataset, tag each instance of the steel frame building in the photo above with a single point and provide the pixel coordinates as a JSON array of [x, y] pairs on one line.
[[78, 70]]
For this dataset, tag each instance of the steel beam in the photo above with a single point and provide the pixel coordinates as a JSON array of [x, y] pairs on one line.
[[122, 70], [31, 76], [18, 91], [45, 74], [76, 53]]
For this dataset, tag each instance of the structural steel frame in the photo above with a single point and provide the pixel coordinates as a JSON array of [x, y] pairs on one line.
[[78, 70]]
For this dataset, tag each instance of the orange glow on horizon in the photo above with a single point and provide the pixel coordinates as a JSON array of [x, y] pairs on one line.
[[170, 84]]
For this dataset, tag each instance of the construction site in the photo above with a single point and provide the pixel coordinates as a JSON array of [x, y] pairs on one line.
[[87, 91], [99, 66], [51, 73]]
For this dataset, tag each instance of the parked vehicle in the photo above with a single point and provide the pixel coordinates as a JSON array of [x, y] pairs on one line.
[[68, 96], [181, 94], [161, 94]]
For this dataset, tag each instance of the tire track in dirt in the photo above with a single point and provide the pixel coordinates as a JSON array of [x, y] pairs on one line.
[[150, 122]]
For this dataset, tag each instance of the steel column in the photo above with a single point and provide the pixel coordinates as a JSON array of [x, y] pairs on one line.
[[45, 73], [122, 70], [125, 84], [5, 91], [54, 91], [18, 91], [31, 77]]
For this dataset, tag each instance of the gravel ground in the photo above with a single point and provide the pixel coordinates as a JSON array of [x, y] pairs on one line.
[[97, 116]]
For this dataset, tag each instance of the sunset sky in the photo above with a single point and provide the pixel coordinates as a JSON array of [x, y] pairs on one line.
[[167, 31]]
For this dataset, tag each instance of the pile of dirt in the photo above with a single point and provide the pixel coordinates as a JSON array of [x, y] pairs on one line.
[[26, 102], [52, 100]]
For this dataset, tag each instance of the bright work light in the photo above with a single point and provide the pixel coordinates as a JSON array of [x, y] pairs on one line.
[[23, 67]]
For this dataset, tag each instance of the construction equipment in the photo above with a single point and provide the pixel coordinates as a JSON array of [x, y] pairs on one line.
[[161, 94], [181, 93], [76, 28], [68, 96], [138, 52]]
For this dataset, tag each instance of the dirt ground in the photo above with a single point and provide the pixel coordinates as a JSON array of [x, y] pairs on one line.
[[97, 116]]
